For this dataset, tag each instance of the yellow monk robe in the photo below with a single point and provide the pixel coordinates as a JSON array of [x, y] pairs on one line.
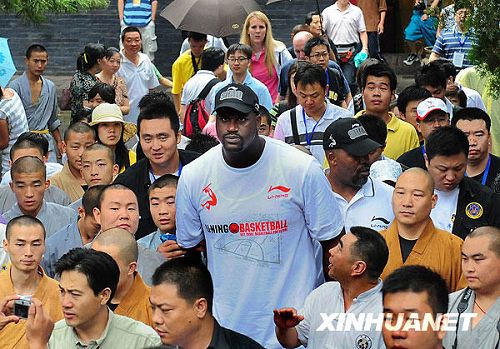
[[13, 335], [435, 248], [136, 304]]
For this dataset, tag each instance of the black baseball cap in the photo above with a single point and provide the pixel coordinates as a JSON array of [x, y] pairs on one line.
[[350, 135], [239, 97]]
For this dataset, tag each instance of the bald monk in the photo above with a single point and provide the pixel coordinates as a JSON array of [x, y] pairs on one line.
[[29, 183], [413, 239], [132, 295], [25, 244]]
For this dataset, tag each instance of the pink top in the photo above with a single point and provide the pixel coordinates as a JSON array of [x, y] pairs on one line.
[[259, 71], [210, 130]]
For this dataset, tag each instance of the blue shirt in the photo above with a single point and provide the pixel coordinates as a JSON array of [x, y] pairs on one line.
[[58, 244], [151, 241], [137, 15], [258, 87], [450, 41]]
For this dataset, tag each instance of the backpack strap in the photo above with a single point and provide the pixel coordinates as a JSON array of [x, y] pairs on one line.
[[206, 90], [293, 122]]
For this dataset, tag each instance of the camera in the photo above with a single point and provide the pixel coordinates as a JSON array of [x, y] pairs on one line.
[[22, 306]]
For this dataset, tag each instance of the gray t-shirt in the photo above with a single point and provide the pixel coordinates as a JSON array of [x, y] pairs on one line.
[[484, 335]]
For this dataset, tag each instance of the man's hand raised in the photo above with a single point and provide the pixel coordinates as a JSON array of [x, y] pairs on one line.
[[287, 317]]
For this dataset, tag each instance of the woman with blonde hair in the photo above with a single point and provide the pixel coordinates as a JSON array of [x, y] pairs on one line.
[[268, 55]]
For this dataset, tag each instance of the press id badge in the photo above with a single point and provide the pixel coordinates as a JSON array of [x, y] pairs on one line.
[[458, 59], [136, 2]]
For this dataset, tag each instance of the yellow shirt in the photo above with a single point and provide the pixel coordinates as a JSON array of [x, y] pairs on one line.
[[13, 335], [136, 304], [401, 137], [182, 71], [435, 248], [68, 183]]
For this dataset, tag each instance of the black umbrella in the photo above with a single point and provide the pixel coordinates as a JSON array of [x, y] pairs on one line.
[[219, 18]]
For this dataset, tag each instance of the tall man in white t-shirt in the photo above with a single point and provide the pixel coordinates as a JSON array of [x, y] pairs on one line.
[[260, 205], [364, 201]]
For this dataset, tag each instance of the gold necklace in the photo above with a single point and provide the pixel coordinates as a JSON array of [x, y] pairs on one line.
[[475, 302]]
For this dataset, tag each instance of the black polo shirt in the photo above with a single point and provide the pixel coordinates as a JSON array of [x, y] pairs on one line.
[[477, 206], [136, 178]]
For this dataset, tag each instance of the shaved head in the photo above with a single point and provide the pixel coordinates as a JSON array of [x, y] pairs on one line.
[[121, 240], [492, 233], [417, 172], [28, 164]]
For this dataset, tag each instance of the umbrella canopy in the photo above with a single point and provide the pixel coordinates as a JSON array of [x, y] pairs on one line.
[[215, 17], [7, 67]]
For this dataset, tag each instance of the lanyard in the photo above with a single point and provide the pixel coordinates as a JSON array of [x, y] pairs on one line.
[[154, 178], [486, 171], [309, 137], [461, 43], [327, 81], [423, 150]]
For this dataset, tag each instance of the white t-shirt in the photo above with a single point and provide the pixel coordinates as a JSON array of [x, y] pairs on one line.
[[443, 215], [329, 299], [259, 224], [195, 85], [370, 207], [139, 79], [212, 41], [313, 138], [343, 28], [474, 99]]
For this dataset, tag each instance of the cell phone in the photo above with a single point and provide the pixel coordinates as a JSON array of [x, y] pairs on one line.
[[166, 237], [21, 307]]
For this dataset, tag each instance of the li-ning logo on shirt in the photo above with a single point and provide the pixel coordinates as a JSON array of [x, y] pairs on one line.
[[356, 132], [282, 192], [212, 198], [232, 93]]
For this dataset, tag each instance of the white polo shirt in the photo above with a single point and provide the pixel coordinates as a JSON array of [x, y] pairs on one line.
[[311, 132], [139, 79], [370, 207], [343, 28], [329, 299]]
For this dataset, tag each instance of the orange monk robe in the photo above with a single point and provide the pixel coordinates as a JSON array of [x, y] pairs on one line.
[[13, 335], [136, 304], [435, 248]]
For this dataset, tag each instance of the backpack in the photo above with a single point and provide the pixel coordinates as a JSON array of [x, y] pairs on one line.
[[196, 116]]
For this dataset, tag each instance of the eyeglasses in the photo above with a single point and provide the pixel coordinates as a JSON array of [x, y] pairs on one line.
[[239, 59], [319, 55]]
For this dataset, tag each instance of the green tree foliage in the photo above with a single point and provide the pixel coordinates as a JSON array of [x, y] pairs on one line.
[[35, 10], [485, 23]]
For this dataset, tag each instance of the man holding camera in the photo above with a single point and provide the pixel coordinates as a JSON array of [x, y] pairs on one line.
[[24, 278]]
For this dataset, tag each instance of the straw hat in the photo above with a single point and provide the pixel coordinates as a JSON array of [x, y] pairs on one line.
[[111, 113]]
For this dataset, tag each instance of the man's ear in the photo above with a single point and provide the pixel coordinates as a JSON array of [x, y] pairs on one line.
[[105, 295], [47, 184], [116, 170], [132, 267], [200, 308], [179, 137], [64, 146], [97, 215]]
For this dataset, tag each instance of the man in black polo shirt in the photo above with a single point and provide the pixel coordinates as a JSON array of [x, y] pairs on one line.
[[181, 299], [432, 113], [481, 165], [158, 127], [463, 204]]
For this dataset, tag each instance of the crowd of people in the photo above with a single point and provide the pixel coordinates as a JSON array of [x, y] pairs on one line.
[[272, 194]]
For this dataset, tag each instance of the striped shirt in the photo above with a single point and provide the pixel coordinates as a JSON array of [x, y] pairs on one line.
[[450, 41], [137, 12], [12, 111]]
